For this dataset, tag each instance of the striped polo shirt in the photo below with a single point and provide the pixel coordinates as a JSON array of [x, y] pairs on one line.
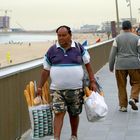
[[66, 71]]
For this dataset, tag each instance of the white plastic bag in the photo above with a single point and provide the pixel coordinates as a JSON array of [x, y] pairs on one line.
[[95, 107]]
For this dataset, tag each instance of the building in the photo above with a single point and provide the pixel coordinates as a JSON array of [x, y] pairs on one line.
[[89, 28], [4, 23]]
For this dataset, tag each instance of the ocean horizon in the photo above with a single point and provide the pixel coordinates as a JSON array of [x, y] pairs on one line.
[[15, 38]]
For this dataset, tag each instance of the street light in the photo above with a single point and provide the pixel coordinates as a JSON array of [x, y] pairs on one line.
[[129, 5], [117, 15], [139, 13]]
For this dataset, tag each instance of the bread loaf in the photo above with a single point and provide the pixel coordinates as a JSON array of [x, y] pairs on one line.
[[101, 93], [28, 99], [28, 90], [32, 92], [37, 100], [87, 91], [45, 92]]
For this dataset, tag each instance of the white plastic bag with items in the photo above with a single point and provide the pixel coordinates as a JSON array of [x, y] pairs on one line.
[[95, 107]]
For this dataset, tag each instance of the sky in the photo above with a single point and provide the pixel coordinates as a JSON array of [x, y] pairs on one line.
[[49, 14]]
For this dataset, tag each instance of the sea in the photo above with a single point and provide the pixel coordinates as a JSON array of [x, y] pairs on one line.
[[15, 38]]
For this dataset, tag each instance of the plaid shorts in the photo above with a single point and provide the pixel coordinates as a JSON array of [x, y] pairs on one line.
[[67, 100]]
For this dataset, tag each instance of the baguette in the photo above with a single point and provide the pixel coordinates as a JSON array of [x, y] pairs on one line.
[[27, 96], [87, 92], [32, 92], [101, 93], [46, 93], [37, 100], [28, 90]]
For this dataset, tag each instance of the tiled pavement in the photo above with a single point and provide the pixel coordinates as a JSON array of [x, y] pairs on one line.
[[116, 126]]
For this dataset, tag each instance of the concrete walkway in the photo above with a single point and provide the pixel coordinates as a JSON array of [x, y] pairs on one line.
[[116, 126]]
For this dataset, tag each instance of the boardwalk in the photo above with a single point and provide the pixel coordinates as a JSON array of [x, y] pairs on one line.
[[116, 126]]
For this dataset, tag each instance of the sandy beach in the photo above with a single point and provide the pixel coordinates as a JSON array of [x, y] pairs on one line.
[[15, 53]]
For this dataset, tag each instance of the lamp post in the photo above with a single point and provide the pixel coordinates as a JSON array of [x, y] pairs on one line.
[[129, 5], [139, 13], [117, 15]]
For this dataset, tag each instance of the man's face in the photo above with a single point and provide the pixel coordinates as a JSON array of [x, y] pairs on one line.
[[64, 38]]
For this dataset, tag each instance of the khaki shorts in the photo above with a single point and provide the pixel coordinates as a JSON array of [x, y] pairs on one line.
[[67, 100]]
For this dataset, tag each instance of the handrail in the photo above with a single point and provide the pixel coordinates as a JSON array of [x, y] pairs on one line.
[[11, 70], [100, 43]]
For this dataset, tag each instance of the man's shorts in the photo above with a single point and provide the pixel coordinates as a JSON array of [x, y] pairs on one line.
[[67, 100]]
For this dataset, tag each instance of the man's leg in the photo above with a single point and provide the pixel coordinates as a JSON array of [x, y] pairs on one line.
[[58, 123], [121, 78], [59, 112], [74, 122], [135, 83], [74, 99], [135, 87]]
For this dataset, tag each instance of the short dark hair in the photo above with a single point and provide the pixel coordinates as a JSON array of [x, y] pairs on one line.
[[64, 26], [126, 25]]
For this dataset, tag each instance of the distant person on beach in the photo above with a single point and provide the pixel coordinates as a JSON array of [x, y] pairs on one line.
[[125, 54], [29, 44], [63, 63], [108, 34]]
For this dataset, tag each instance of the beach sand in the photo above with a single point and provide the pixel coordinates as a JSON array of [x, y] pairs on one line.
[[15, 53], [21, 53]]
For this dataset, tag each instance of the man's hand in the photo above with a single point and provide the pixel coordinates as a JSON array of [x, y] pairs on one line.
[[93, 86], [39, 91]]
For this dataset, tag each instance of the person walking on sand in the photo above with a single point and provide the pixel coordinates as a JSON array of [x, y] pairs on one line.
[[63, 63], [125, 54]]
